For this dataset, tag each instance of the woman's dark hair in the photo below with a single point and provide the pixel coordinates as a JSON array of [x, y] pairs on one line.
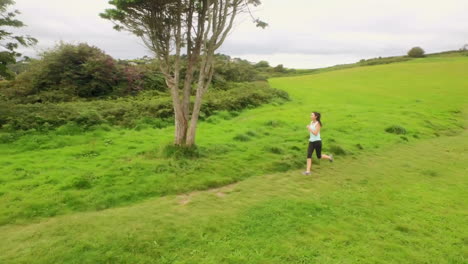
[[317, 115]]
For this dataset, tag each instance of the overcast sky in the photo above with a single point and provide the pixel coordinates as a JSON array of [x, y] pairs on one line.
[[301, 33]]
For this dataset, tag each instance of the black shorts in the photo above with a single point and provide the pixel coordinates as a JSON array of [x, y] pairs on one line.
[[317, 145]]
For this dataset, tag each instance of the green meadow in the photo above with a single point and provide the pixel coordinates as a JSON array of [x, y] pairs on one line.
[[395, 194]]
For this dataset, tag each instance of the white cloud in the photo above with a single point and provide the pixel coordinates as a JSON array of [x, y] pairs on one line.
[[302, 33]]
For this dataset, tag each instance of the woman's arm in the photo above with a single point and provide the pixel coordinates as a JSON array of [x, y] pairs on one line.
[[316, 131]]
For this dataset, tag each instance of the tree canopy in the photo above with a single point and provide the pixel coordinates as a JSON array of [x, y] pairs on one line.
[[177, 31], [8, 40]]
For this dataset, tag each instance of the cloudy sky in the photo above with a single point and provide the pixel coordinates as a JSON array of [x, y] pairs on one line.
[[302, 33]]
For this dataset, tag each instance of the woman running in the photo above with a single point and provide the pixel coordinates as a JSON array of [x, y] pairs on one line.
[[315, 142]]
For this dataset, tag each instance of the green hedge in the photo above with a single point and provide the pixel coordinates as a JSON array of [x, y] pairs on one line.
[[130, 111]]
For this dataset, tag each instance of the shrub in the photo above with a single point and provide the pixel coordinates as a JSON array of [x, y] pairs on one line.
[[395, 130], [8, 137], [279, 68], [416, 52], [144, 110], [89, 118], [378, 61], [69, 72], [262, 64], [232, 70], [81, 70]]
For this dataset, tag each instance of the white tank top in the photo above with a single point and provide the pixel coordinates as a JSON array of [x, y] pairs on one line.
[[313, 137]]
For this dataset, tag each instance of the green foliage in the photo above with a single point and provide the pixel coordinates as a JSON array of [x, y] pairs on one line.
[[140, 77], [416, 52], [76, 72], [379, 61], [79, 71], [395, 129], [144, 110], [262, 64], [241, 96], [20, 66], [279, 68], [8, 40], [59, 76], [232, 70]]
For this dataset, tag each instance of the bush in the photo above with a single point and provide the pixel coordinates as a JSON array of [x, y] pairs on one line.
[[262, 64], [395, 130], [279, 68], [88, 118], [81, 70], [416, 52], [70, 72], [137, 78], [144, 110], [378, 61], [232, 70], [9, 137], [241, 96]]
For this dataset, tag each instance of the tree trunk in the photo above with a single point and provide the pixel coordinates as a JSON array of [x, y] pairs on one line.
[[180, 132], [194, 120], [203, 82], [180, 121]]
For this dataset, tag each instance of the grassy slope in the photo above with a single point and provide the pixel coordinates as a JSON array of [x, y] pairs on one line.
[[418, 202], [404, 205], [48, 175]]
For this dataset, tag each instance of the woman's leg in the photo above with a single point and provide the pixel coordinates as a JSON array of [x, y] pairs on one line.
[[310, 150], [319, 153]]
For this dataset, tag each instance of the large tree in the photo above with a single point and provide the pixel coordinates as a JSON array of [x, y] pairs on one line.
[[177, 30], [9, 42]]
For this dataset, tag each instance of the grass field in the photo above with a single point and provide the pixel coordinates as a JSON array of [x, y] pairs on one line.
[[389, 198]]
